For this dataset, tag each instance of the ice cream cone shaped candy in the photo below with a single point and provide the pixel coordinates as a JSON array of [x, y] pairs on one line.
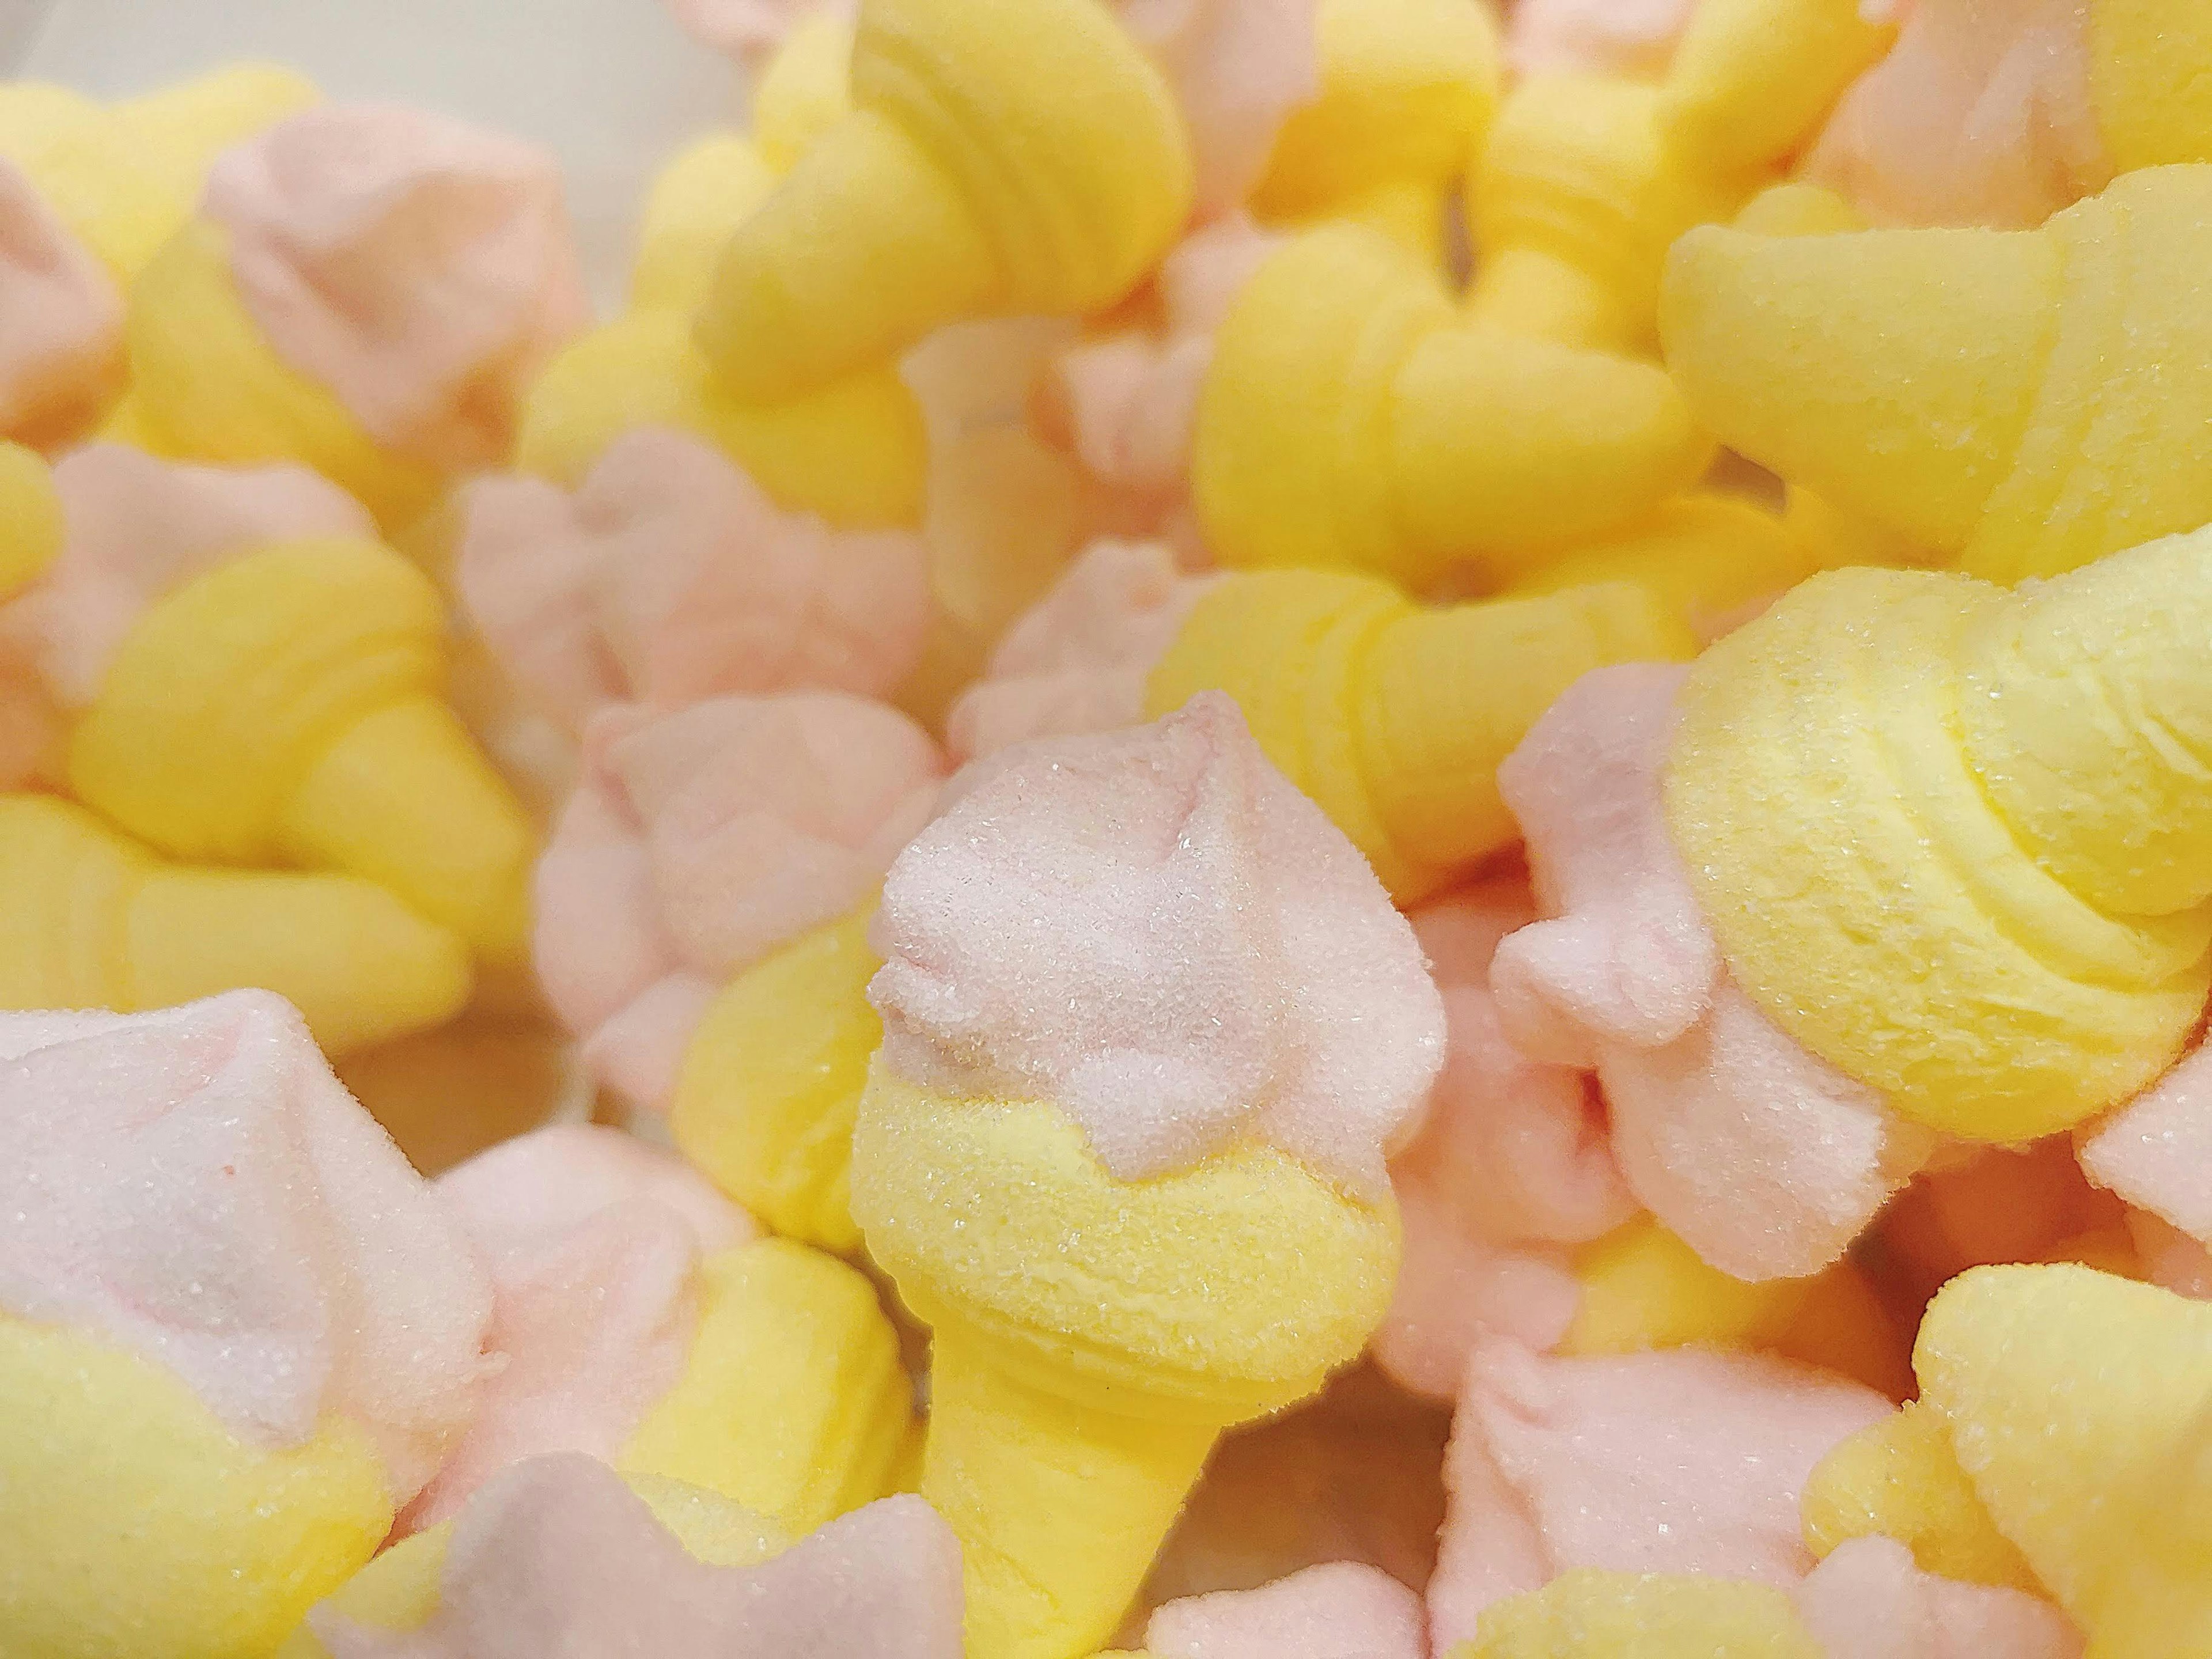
[[1682, 1461], [61, 322], [240, 1333], [1510, 1169], [1341, 1611], [669, 578], [124, 178], [2011, 398], [1391, 716], [1354, 418], [560, 1555], [639, 1320], [967, 182], [32, 526], [287, 707], [100, 922], [1083, 1066], [367, 290], [701, 841]]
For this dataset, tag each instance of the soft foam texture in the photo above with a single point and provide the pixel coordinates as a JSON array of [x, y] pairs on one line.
[[1511, 1166], [1675, 1462], [559, 1556], [2156, 1150], [1153, 930], [195, 1186], [699, 841], [61, 321], [1621, 37], [1768, 1161], [593, 1238], [1867, 1601], [1340, 1611], [422, 269], [669, 576]]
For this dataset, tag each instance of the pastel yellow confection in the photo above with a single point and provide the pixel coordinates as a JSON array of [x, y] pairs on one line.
[[1901, 1480], [855, 452], [806, 89], [1751, 79], [2025, 401], [2078, 1404], [1394, 717], [771, 1084], [289, 706], [1408, 90], [793, 1401], [31, 526], [2146, 82], [138, 1524], [98, 921], [1094, 1336], [1642, 1287], [1003, 157], [1953, 839], [1354, 418], [1798, 209], [1590, 1614], [695, 207]]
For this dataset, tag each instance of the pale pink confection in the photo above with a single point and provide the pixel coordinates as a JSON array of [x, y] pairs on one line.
[[669, 577], [2156, 1150], [592, 1237], [136, 528], [1979, 115], [1682, 1461], [1512, 1165], [61, 321], [1766, 1160], [698, 841], [1078, 662], [2169, 1257], [1340, 1611], [422, 270], [1155, 930], [1867, 1601], [1608, 37], [195, 1186], [750, 30], [1129, 400], [557, 1556]]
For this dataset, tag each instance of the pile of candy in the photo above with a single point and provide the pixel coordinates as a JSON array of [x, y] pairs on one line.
[[1206, 695]]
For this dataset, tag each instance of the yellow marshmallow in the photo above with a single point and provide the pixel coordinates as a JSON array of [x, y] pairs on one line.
[[2027, 401], [137, 1525], [805, 90], [1954, 839], [772, 1081], [1751, 79], [695, 207], [288, 706], [1642, 1287], [2147, 81], [31, 523], [96, 920], [1354, 418], [1093, 1337], [1003, 157], [1588, 1614], [1394, 717]]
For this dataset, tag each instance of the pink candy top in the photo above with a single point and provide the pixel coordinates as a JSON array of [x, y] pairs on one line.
[[1078, 662], [1155, 930], [422, 269], [61, 321], [698, 841], [557, 1556], [593, 1237], [1867, 1601], [1767, 1161], [1979, 115], [2156, 1150], [1678, 1462], [195, 1186], [1608, 37], [1341, 1611]]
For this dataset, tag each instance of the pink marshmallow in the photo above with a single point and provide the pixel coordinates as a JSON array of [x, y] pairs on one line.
[[557, 1556], [593, 1237], [61, 321], [1867, 1601], [1979, 115], [1341, 1611], [2170, 1258], [669, 577], [1239, 67], [1676, 1462], [2156, 1150], [195, 1186], [1155, 930], [422, 270], [1633, 37], [750, 30], [697, 842], [1511, 1165], [1078, 662], [1766, 1160]]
